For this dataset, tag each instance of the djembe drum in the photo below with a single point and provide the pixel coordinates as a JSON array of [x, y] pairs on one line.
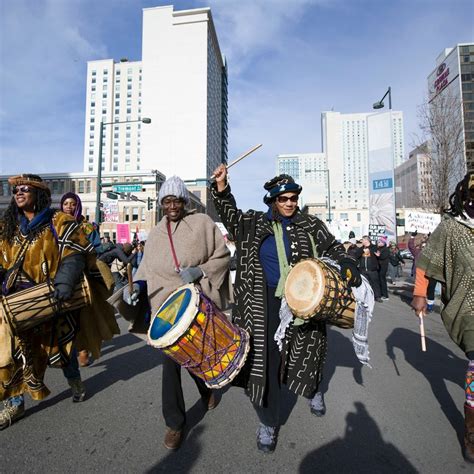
[[36, 305], [190, 329], [315, 289]]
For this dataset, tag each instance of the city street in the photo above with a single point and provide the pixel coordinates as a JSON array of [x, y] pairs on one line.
[[402, 415]]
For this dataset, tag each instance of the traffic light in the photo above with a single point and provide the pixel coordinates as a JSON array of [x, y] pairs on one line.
[[149, 205]]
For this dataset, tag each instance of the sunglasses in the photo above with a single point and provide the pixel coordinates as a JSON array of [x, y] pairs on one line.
[[22, 189], [283, 199]]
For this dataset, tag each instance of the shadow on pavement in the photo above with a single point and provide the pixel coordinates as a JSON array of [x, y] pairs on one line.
[[361, 450], [438, 365], [340, 354], [117, 368]]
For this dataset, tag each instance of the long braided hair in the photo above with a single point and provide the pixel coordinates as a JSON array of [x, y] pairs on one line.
[[462, 194], [12, 213]]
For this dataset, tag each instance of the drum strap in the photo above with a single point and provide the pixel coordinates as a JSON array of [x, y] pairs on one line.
[[282, 258], [314, 246], [15, 269], [175, 258]]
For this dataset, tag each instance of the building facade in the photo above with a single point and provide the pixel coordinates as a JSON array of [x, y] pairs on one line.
[[453, 79], [184, 94], [413, 181], [180, 84], [127, 197]]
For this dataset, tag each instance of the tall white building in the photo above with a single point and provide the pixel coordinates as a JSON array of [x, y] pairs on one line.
[[180, 84], [345, 140], [113, 95]]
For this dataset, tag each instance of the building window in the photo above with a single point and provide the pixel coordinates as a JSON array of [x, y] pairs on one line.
[[115, 168], [135, 214], [94, 73], [81, 187], [93, 88], [88, 186], [91, 152]]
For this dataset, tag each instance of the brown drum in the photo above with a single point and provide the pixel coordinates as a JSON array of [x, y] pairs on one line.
[[315, 289], [28, 308]]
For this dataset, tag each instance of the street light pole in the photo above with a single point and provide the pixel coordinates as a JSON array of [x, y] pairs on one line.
[[99, 176], [99, 162], [380, 104]]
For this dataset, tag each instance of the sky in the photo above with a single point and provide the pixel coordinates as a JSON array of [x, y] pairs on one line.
[[288, 60]]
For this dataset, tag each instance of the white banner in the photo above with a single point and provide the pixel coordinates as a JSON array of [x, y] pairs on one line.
[[423, 222], [111, 211]]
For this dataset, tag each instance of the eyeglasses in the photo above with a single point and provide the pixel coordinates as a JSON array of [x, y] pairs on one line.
[[170, 202], [22, 189], [283, 199]]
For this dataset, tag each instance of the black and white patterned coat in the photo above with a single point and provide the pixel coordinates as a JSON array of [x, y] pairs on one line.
[[304, 349]]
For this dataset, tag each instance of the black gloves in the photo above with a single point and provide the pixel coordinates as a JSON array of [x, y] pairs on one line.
[[351, 273], [68, 276], [191, 274], [63, 291]]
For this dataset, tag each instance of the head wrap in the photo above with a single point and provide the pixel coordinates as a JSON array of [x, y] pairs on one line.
[[78, 210], [383, 239], [29, 180], [280, 184], [173, 186]]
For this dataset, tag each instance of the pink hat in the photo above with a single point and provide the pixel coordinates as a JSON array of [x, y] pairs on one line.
[[383, 239]]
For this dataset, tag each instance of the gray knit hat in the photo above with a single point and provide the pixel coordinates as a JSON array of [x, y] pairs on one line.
[[173, 186]]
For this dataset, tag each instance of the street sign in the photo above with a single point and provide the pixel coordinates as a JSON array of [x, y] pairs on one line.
[[127, 188]]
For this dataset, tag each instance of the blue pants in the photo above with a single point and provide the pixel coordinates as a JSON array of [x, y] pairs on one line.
[[71, 371]]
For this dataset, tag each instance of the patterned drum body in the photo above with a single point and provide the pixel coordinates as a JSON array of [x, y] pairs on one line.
[[194, 332], [33, 306], [315, 289]]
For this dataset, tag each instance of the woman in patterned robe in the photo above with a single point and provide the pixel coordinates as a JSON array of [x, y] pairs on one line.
[[97, 322], [300, 363], [38, 245]]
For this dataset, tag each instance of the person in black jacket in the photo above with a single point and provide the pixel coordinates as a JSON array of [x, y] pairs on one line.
[[267, 243], [369, 266], [395, 259], [125, 254], [383, 255]]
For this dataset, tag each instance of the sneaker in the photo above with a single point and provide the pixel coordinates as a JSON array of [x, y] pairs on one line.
[[430, 307], [317, 405], [173, 439], [10, 413], [78, 390], [385, 298], [379, 300], [266, 438]]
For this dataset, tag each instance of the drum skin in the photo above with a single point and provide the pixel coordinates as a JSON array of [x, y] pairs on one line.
[[315, 289], [190, 329]]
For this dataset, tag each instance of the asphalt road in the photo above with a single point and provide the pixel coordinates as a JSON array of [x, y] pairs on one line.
[[402, 415]]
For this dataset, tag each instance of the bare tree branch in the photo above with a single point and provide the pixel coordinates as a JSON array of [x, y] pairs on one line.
[[441, 127]]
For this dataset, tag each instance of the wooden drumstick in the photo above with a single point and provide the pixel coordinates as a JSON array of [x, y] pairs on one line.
[[241, 157], [130, 278], [422, 331]]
